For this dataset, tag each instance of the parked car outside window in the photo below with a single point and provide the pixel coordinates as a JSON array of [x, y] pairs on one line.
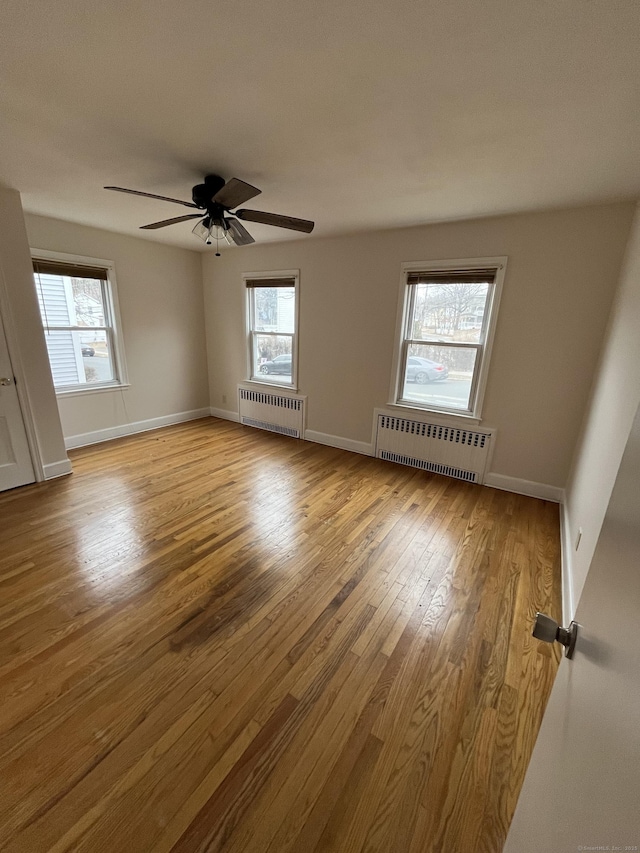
[[423, 370], [280, 364]]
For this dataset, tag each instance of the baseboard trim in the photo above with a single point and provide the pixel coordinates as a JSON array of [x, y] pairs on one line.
[[338, 441], [225, 414], [524, 487], [110, 433], [57, 469], [566, 551]]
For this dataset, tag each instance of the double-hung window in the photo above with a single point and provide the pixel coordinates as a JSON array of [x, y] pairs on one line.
[[447, 321], [272, 320], [79, 313]]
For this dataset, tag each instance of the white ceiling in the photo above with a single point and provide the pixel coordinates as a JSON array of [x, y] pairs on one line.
[[359, 114]]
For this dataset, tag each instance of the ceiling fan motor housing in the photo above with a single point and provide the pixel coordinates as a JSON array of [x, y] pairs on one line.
[[203, 193]]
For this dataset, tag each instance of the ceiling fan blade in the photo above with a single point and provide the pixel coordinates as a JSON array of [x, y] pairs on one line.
[[276, 219], [152, 195], [235, 192], [173, 221], [239, 233]]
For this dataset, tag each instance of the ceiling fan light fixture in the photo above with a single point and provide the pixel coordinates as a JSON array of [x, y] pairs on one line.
[[209, 232]]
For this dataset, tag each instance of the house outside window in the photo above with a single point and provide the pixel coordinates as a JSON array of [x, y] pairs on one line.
[[447, 317], [78, 306], [272, 320]]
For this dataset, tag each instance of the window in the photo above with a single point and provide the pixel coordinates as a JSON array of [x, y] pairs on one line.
[[79, 313], [272, 314], [447, 320]]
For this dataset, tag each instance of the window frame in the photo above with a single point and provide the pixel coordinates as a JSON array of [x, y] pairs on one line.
[[483, 348], [250, 332], [113, 330]]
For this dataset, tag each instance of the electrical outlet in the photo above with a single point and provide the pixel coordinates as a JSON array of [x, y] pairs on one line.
[[224, 398], [578, 538]]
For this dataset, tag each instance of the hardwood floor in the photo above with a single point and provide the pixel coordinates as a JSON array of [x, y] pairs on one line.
[[214, 638]]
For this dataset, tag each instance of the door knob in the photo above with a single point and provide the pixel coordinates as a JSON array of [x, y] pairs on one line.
[[548, 630], [5, 381]]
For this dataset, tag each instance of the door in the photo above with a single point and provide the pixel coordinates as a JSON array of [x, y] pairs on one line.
[[15, 457], [582, 788]]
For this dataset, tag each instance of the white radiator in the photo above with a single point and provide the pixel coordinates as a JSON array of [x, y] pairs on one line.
[[454, 451], [274, 412]]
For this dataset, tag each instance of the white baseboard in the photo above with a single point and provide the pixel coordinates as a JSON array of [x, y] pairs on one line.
[[309, 435], [524, 487], [100, 435], [57, 469], [566, 550], [337, 441], [225, 414]]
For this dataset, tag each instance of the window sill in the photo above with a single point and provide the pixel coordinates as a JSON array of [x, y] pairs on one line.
[[451, 418], [83, 391], [262, 382]]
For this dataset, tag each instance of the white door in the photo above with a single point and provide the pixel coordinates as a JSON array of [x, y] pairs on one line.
[[582, 788], [15, 458]]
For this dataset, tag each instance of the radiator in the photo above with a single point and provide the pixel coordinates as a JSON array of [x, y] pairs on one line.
[[274, 412], [453, 451]]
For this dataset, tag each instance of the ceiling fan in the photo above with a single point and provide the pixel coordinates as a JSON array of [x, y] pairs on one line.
[[216, 198]]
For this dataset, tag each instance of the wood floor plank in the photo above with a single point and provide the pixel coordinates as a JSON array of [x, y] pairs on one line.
[[218, 639], [294, 787]]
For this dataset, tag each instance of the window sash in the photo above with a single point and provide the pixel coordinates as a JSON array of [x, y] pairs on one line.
[[252, 292], [111, 349], [253, 375], [104, 292], [420, 342], [473, 390], [488, 305], [77, 328]]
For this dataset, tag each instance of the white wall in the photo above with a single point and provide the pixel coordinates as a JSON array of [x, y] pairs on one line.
[[160, 296], [26, 338], [562, 272], [615, 398]]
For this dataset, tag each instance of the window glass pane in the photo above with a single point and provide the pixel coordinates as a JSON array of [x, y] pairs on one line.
[[56, 308], [439, 376], [272, 357], [88, 302], [68, 301], [79, 358], [448, 312], [274, 309]]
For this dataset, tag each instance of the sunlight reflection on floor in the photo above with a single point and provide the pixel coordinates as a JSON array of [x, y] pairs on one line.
[[273, 514], [119, 522]]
